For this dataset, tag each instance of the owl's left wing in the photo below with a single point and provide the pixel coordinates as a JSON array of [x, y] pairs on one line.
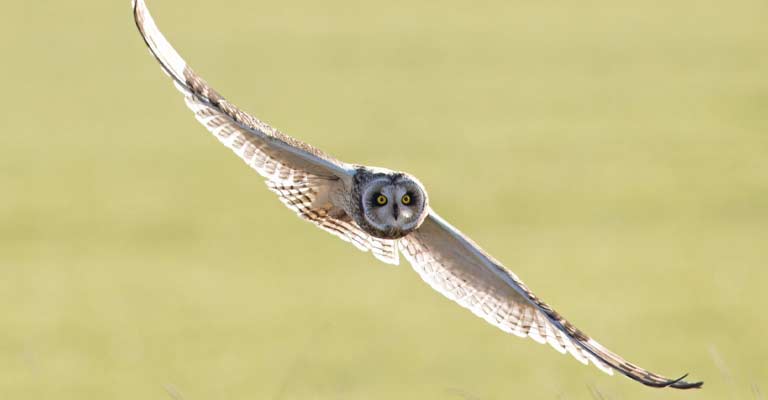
[[302, 176], [456, 267]]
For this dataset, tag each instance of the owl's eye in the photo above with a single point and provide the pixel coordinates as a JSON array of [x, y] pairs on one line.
[[381, 200], [406, 199]]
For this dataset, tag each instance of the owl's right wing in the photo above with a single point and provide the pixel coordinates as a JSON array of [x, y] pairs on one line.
[[301, 175], [456, 267]]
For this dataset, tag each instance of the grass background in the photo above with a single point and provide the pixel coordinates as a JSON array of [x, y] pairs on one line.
[[614, 154]]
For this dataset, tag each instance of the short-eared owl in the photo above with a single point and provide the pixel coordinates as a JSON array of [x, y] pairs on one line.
[[387, 213]]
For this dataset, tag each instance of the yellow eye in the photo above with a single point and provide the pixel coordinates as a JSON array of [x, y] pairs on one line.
[[381, 200], [406, 199]]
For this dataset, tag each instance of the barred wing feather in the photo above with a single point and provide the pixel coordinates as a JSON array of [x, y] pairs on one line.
[[456, 267], [301, 175]]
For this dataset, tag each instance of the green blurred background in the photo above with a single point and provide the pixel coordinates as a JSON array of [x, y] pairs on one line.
[[613, 154]]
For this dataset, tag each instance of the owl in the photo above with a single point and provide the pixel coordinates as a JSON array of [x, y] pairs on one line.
[[387, 213]]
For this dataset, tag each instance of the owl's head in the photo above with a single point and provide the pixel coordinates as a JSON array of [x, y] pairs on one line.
[[392, 204]]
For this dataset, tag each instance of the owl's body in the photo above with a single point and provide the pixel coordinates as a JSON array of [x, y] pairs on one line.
[[384, 212]]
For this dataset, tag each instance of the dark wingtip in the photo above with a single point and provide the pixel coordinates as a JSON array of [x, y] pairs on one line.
[[687, 385], [679, 383]]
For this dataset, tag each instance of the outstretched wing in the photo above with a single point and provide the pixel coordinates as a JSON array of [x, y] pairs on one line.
[[303, 176], [456, 267]]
